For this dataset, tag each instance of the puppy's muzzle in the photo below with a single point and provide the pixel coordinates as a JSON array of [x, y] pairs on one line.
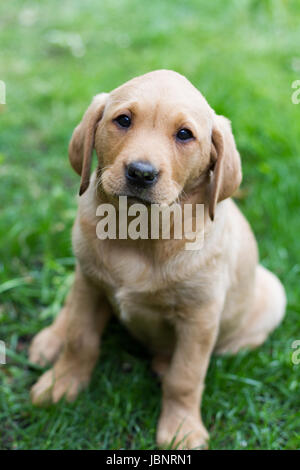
[[141, 174]]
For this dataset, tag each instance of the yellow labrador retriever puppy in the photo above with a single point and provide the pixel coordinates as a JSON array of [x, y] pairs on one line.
[[158, 141]]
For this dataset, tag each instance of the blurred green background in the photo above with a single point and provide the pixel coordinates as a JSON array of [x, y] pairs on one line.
[[54, 56]]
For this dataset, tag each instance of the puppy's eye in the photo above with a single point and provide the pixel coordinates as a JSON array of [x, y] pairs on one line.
[[184, 134], [123, 120]]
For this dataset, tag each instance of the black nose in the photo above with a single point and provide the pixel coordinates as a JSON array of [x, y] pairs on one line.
[[141, 174]]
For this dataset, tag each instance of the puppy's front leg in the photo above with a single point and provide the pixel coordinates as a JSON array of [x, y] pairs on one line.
[[86, 316], [180, 422]]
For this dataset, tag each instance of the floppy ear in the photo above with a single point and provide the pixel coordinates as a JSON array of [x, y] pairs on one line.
[[83, 139], [227, 173]]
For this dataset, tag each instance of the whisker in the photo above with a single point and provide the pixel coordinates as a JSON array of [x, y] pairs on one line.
[[100, 177]]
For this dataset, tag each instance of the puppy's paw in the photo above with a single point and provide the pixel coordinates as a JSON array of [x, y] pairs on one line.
[[188, 433], [57, 383], [45, 347]]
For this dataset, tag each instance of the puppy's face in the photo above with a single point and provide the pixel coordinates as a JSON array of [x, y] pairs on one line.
[[156, 138]]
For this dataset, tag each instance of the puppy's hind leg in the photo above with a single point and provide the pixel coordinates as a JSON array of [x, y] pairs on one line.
[[87, 313], [48, 343], [267, 312]]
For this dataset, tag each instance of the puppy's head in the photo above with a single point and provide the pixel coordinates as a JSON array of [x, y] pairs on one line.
[[156, 138]]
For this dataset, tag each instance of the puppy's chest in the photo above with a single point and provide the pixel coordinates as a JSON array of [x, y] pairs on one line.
[[137, 287], [134, 287]]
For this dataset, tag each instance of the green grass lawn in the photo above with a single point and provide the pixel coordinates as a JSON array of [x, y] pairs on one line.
[[54, 56]]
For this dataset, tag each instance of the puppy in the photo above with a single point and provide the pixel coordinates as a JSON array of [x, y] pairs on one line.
[[158, 141]]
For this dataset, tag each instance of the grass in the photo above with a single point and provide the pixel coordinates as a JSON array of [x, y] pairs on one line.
[[244, 56]]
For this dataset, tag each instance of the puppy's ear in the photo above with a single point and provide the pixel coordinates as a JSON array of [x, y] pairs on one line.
[[83, 139], [226, 163]]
